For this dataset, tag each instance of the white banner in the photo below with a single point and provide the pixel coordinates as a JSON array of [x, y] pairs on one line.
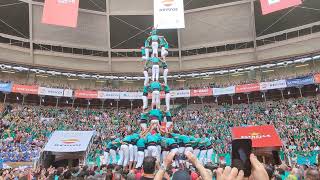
[[50, 91], [169, 14], [69, 141], [131, 95], [108, 95], [273, 85], [180, 93], [68, 93], [223, 91]]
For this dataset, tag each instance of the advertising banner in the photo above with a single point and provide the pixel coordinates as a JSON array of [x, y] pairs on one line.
[[24, 89], [273, 85], [108, 95], [247, 88], [180, 94], [69, 141], [300, 81], [50, 91], [224, 91], [201, 92], [269, 6], [261, 136], [131, 95], [61, 12], [68, 93], [5, 87], [162, 95], [86, 94], [169, 14]]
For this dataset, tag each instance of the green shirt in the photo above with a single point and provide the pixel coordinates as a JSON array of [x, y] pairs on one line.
[[155, 85], [156, 113], [166, 89], [141, 143], [152, 138]]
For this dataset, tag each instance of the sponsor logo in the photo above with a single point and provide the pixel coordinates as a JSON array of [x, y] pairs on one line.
[[256, 135], [66, 1], [167, 3], [273, 1], [70, 141]]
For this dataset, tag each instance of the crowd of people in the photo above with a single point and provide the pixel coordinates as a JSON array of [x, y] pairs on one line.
[[25, 130]]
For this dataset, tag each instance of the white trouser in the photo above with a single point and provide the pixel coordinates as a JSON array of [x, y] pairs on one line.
[[159, 152], [203, 156], [113, 155], [168, 96], [140, 158], [164, 155], [146, 78], [169, 125], [106, 157], [155, 72], [146, 152], [209, 155], [145, 102], [190, 149], [153, 151], [131, 153], [165, 76], [196, 152], [135, 153], [124, 155], [181, 150], [175, 150], [164, 52], [156, 99], [143, 126], [147, 53], [155, 46]]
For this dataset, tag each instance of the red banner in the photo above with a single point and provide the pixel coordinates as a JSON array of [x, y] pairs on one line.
[[86, 94], [247, 88], [269, 6], [162, 95], [317, 78], [201, 92], [261, 136], [24, 89], [61, 12]]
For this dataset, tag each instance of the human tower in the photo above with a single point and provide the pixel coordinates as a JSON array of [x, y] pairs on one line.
[[153, 62]]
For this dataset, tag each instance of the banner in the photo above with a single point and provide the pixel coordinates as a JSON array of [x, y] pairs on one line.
[[5, 87], [169, 14], [269, 6], [68, 93], [317, 78], [223, 91], [180, 94], [108, 95], [61, 12], [162, 95], [86, 94], [201, 92], [273, 85], [50, 91], [300, 81], [69, 141], [24, 89], [131, 95], [261, 136], [247, 88]]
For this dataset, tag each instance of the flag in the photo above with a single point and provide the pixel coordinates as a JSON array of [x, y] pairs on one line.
[[269, 6], [61, 12]]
